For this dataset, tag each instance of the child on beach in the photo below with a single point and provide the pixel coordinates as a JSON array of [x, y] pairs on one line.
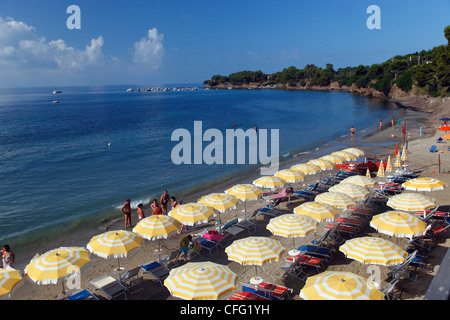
[[8, 257], [126, 209], [184, 247], [140, 211]]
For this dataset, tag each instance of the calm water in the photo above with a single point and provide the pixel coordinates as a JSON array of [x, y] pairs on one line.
[[57, 169]]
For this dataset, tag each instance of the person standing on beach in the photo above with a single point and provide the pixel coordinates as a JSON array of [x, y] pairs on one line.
[[184, 247], [381, 125], [126, 209], [393, 123], [174, 203], [157, 210], [352, 132], [140, 211], [164, 201], [256, 129], [8, 257]]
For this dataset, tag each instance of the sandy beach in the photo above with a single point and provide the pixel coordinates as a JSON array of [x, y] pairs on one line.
[[380, 145]]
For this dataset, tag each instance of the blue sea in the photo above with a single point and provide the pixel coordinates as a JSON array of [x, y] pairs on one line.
[[72, 164]]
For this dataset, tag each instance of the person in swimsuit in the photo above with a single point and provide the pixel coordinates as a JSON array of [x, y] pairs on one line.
[[8, 257], [126, 209], [140, 211], [174, 203], [164, 201], [157, 210], [352, 131], [184, 247]]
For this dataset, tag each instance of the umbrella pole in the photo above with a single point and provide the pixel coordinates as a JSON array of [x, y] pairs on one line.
[[118, 263]]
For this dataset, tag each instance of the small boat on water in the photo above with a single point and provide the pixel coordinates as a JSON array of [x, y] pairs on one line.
[[57, 91], [55, 101], [129, 90]]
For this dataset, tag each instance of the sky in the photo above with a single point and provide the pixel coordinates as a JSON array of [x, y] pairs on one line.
[[151, 42]]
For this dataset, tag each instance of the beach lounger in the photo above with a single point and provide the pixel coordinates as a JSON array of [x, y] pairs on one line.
[[402, 270], [276, 196], [227, 225], [157, 270], [169, 259], [307, 261], [357, 223], [268, 290], [433, 148], [247, 225], [132, 280], [270, 210], [389, 290], [294, 270], [82, 294], [317, 251], [240, 295], [207, 245], [109, 286], [343, 229]]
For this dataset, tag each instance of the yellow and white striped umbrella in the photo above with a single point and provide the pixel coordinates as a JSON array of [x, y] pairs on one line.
[[200, 281], [339, 285], [220, 201], [10, 279], [306, 168], [292, 225], [333, 158], [411, 202], [254, 250], [372, 250], [398, 224], [291, 176], [116, 244], [424, 184], [192, 214], [368, 175], [157, 227], [322, 164], [357, 152], [403, 157], [397, 163], [335, 199], [269, 182], [347, 155], [389, 165], [317, 211], [352, 190], [361, 181], [56, 264], [380, 172], [245, 191]]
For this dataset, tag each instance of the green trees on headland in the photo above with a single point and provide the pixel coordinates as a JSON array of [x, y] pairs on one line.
[[427, 71]]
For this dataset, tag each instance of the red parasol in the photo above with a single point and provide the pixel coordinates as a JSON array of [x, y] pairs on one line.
[[444, 128]]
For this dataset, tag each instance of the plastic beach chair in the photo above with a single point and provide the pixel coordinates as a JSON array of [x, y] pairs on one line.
[[82, 294], [109, 286], [132, 280], [240, 295], [321, 252], [268, 290], [157, 270]]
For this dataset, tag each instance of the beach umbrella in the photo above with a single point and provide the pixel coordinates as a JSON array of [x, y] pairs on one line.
[[333, 158], [157, 227], [254, 251], [352, 190], [361, 181], [347, 155], [357, 152], [116, 244], [269, 182], [339, 285], [380, 172], [444, 128], [317, 211], [292, 226], [389, 165], [403, 157], [368, 175], [335, 199], [57, 264], [306, 168], [398, 224], [410, 202], [10, 279], [291, 176], [424, 184], [373, 250], [446, 136], [322, 164], [220, 201], [200, 281], [192, 214], [397, 163], [245, 192]]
